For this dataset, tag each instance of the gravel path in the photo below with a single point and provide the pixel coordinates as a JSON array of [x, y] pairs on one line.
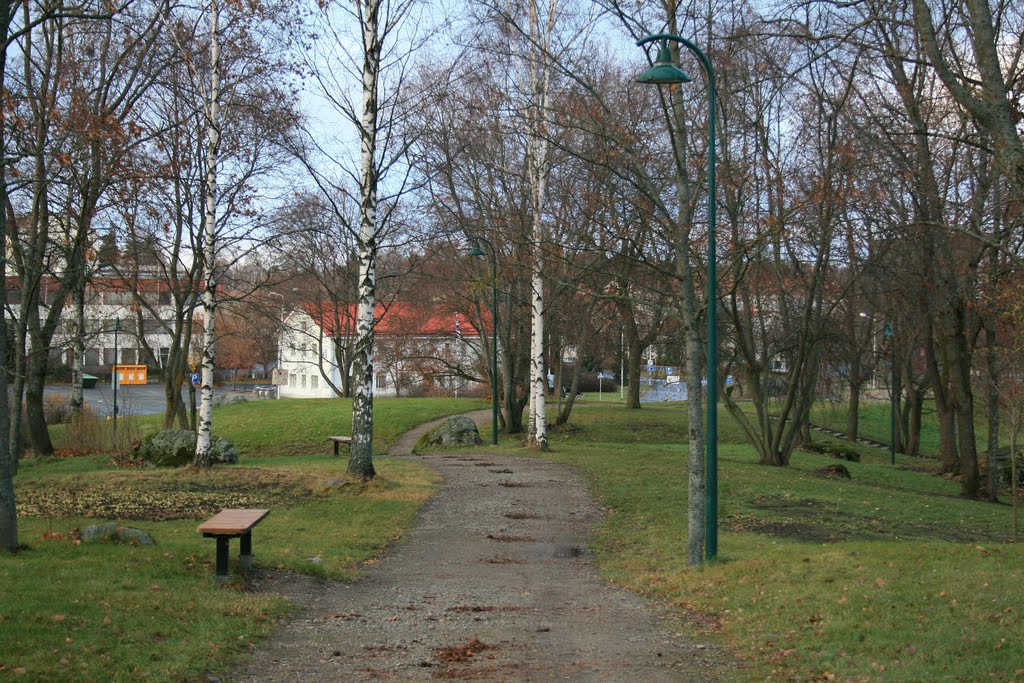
[[493, 583]]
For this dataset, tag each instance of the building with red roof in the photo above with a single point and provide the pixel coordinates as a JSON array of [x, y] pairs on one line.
[[418, 350]]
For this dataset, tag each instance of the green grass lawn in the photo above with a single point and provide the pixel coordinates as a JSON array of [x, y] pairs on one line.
[[291, 426], [103, 611], [888, 576]]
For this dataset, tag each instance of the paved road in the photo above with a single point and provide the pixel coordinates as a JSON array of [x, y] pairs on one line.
[[143, 399]]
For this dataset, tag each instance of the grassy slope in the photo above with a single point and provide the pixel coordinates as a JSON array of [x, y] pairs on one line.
[[819, 578], [114, 612], [874, 424]]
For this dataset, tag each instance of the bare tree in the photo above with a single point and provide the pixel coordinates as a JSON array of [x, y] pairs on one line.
[[982, 80]]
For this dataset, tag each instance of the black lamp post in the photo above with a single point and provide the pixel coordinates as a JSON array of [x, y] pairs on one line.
[[477, 251], [665, 72]]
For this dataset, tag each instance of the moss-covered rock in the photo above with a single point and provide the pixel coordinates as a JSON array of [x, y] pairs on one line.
[[112, 531], [177, 447], [458, 430]]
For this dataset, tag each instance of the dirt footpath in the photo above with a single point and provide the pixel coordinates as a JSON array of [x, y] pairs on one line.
[[494, 583]]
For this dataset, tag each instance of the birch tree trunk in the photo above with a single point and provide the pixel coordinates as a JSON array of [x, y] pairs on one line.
[[78, 363], [538, 164], [204, 432], [360, 462]]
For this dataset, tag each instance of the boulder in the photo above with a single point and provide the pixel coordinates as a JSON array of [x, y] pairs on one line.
[[112, 531], [455, 431], [177, 447]]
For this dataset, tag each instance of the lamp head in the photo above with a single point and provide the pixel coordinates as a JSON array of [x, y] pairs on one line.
[[663, 71], [476, 251]]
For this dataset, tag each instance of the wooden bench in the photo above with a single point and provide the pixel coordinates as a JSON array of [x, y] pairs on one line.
[[226, 525], [338, 440]]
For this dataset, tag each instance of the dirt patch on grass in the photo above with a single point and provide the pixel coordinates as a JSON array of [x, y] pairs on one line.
[[817, 521]]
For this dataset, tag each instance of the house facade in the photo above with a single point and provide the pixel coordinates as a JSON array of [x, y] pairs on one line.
[[119, 315], [417, 350]]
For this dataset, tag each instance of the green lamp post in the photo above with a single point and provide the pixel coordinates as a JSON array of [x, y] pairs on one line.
[[477, 251], [665, 72], [117, 328]]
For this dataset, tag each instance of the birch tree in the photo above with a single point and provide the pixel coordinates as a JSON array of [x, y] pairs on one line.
[[204, 432], [542, 17], [387, 32]]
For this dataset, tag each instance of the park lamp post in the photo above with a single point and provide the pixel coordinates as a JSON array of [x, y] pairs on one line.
[[117, 328], [477, 251], [665, 72]]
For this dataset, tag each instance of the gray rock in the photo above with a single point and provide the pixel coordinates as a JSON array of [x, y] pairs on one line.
[[458, 430], [221, 400], [314, 560], [112, 531], [177, 447]]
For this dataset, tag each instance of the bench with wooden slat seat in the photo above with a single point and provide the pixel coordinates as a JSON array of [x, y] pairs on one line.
[[226, 525], [339, 440]]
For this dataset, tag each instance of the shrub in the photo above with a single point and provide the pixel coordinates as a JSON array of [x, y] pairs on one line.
[[56, 409], [89, 432]]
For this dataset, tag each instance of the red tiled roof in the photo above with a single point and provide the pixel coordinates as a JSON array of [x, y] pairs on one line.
[[396, 318]]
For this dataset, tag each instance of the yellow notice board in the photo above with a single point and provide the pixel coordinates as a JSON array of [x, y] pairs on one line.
[[131, 374]]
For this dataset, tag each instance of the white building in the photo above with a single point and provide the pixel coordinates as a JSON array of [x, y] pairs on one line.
[[110, 302], [417, 351]]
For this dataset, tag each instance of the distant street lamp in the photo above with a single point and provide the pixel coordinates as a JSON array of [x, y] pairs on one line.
[[665, 72], [477, 251]]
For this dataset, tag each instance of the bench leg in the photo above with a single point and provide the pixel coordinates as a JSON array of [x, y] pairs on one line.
[[245, 552], [222, 559], [336, 449]]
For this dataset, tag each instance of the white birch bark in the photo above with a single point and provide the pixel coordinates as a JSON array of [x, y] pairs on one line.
[[538, 168], [205, 426], [360, 462], [78, 346]]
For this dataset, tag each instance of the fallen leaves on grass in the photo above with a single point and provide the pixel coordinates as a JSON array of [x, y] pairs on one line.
[[162, 495]]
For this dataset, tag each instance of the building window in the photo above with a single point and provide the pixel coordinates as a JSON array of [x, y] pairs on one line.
[[152, 326], [129, 356], [314, 382], [303, 381], [92, 356], [117, 298], [108, 356], [165, 355], [382, 380]]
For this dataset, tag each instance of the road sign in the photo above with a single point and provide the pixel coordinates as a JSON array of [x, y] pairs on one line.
[[194, 378]]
